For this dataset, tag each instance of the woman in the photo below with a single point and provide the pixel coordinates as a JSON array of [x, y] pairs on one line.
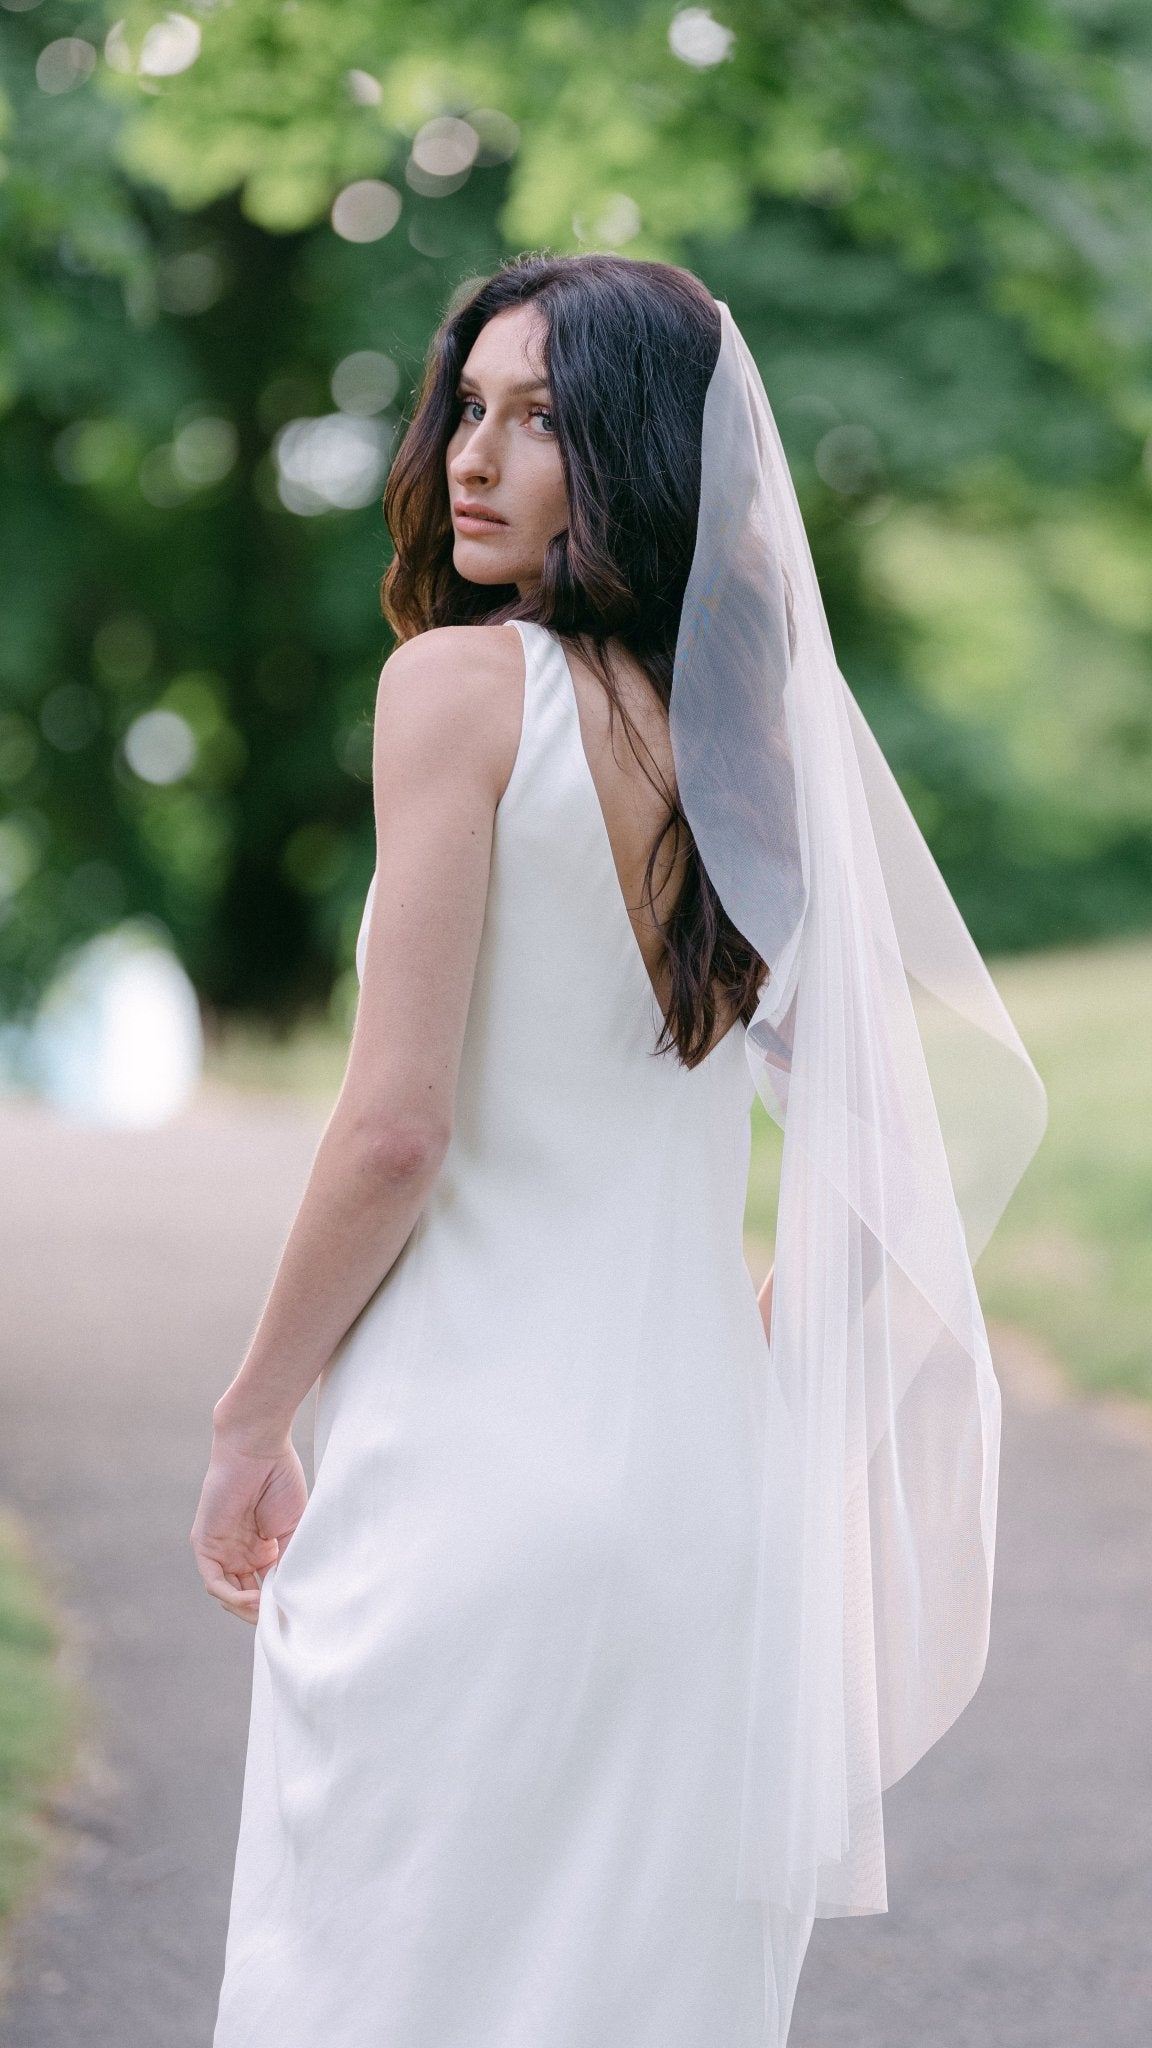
[[579, 1672]]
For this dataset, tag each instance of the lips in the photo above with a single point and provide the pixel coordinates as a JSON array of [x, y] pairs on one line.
[[475, 518]]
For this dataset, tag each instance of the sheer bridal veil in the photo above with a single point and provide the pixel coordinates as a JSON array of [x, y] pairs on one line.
[[909, 1109]]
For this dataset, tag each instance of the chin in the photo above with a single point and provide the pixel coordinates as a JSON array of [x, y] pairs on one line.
[[477, 563]]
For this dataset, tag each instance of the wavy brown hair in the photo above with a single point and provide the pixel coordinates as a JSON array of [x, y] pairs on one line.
[[630, 348]]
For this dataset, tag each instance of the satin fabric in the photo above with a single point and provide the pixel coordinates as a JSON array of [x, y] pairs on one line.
[[492, 1792]]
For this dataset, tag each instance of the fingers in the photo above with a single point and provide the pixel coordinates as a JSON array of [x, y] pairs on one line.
[[240, 1597]]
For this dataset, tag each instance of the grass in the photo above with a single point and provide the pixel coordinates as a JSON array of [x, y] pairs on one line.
[[1072, 1259], [763, 1176], [308, 1062], [37, 1715]]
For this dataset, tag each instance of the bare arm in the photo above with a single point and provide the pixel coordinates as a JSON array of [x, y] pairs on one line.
[[447, 723]]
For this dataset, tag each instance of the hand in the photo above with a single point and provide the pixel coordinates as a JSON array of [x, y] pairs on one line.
[[250, 1503]]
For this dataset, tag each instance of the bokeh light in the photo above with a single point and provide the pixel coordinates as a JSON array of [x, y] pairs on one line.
[[19, 857], [445, 146], [697, 39], [352, 747], [160, 747], [848, 459], [422, 233], [445, 149], [117, 54], [204, 449], [499, 137], [190, 282], [366, 210], [365, 382], [336, 463], [616, 220], [363, 89], [96, 452], [169, 47], [65, 63]]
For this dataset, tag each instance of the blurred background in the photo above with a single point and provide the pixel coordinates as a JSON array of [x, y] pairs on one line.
[[226, 234], [225, 237]]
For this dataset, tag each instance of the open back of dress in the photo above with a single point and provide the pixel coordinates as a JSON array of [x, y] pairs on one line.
[[493, 1778]]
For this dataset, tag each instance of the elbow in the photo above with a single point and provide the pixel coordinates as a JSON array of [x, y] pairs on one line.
[[401, 1153]]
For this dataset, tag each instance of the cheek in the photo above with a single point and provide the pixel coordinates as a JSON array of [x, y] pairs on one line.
[[549, 497]]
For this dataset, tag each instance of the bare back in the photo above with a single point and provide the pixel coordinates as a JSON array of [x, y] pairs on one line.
[[631, 790]]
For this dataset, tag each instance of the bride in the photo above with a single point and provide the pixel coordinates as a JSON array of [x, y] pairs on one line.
[[620, 1593]]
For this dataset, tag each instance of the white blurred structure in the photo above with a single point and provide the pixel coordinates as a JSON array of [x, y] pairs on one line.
[[118, 1039], [336, 463]]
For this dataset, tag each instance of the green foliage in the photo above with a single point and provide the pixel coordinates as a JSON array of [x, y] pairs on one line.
[[155, 569], [931, 219], [36, 1716]]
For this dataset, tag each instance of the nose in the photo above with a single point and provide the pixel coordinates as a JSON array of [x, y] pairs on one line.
[[476, 462]]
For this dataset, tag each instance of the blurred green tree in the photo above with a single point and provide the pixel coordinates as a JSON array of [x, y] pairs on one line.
[[224, 238]]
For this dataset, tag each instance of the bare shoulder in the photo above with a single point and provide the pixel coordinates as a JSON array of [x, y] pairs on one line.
[[456, 693]]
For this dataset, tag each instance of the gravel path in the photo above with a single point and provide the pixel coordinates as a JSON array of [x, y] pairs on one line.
[[132, 1268]]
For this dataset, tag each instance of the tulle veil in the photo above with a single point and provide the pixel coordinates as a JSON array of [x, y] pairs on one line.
[[909, 1110]]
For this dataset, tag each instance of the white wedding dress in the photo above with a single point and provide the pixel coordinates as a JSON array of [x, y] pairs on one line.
[[492, 1787]]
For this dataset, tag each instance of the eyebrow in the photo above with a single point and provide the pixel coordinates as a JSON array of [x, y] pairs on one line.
[[514, 390]]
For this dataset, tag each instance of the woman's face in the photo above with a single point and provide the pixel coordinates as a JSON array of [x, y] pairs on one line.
[[505, 479]]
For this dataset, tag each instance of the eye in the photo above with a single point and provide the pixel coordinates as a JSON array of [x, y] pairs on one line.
[[464, 405], [541, 412]]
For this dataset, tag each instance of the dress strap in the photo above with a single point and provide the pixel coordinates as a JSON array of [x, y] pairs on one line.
[[545, 708]]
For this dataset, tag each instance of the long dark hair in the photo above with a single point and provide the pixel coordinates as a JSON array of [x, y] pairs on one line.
[[630, 348]]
